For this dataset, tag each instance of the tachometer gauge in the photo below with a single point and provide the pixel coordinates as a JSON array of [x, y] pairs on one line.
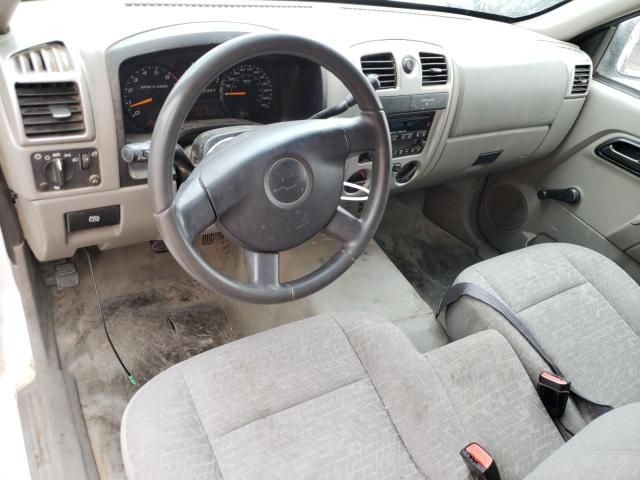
[[144, 92], [246, 92]]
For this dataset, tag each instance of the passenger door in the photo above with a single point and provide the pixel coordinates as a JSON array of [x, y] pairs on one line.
[[600, 158]]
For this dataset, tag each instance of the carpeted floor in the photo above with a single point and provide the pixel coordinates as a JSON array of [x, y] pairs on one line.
[[428, 256], [153, 328]]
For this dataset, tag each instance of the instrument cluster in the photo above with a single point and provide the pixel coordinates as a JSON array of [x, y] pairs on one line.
[[259, 90]]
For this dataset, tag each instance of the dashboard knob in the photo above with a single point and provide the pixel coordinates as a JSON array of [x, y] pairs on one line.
[[408, 64], [57, 173]]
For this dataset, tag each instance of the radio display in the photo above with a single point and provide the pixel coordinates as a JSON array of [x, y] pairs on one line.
[[409, 125]]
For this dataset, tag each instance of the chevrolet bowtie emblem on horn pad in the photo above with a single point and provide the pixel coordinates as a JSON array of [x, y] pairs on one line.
[[287, 182]]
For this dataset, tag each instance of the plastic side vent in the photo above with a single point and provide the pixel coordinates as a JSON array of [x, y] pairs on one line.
[[50, 109], [383, 65], [50, 58], [434, 69], [581, 78]]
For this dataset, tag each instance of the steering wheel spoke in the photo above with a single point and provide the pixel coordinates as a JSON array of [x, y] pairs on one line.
[[263, 268], [344, 226], [192, 209]]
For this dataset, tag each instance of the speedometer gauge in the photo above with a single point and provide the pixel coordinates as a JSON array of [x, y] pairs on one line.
[[246, 91], [144, 92]]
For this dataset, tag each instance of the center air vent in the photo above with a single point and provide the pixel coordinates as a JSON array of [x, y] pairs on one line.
[[50, 58], [434, 69], [581, 77], [383, 65], [50, 109]]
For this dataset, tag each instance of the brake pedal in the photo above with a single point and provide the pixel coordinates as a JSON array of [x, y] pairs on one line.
[[66, 275]]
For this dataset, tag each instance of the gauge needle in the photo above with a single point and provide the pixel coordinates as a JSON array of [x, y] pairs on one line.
[[141, 102], [235, 94]]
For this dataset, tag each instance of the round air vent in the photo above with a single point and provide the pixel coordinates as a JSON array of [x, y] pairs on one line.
[[505, 207]]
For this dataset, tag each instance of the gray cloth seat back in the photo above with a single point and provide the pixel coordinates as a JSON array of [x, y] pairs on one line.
[[337, 397], [581, 308], [607, 449]]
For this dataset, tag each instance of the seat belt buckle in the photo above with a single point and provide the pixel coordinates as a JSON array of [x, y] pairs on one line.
[[480, 462], [554, 392]]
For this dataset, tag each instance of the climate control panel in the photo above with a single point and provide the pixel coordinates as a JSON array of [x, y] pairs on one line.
[[66, 169]]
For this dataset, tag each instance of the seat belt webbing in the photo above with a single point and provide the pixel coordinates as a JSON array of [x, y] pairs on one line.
[[474, 291]]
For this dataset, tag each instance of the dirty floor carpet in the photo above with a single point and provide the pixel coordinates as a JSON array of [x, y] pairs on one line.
[[428, 256], [153, 326]]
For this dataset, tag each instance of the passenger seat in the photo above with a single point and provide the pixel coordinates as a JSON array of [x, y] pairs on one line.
[[346, 396], [578, 305]]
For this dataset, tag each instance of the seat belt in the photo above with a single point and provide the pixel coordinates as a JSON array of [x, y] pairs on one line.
[[474, 291]]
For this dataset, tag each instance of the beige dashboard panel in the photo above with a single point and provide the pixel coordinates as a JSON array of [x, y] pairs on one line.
[[44, 225], [513, 147]]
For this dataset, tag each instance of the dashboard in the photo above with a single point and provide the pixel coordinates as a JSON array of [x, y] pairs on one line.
[[263, 90], [463, 96]]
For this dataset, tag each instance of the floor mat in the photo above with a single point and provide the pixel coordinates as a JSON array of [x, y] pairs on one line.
[[153, 328], [428, 256]]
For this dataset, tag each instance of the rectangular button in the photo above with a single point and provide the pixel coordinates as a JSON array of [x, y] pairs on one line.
[[85, 160], [93, 218], [396, 104], [429, 101]]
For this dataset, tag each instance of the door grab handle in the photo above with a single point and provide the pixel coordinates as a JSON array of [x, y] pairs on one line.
[[609, 152]]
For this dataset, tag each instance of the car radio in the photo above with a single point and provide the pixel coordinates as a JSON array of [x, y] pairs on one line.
[[409, 133]]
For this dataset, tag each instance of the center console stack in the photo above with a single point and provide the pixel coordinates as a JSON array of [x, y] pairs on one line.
[[410, 119]]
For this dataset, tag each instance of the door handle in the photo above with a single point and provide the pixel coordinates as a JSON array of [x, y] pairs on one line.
[[622, 152]]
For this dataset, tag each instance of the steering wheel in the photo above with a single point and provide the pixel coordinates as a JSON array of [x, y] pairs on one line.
[[274, 187]]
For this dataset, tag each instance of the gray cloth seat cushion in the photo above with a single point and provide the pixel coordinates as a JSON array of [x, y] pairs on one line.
[[580, 306], [607, 449], [336, 397]]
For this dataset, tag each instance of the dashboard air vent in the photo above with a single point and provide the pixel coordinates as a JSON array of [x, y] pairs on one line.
[[50, 58], [434, 69], [581, 77], [383, 65], [50, 109]]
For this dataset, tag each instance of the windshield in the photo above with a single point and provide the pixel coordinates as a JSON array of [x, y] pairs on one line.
[[514, 9]]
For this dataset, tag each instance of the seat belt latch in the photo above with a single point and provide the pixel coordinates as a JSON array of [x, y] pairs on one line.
[[480, 462], [554, 392]]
